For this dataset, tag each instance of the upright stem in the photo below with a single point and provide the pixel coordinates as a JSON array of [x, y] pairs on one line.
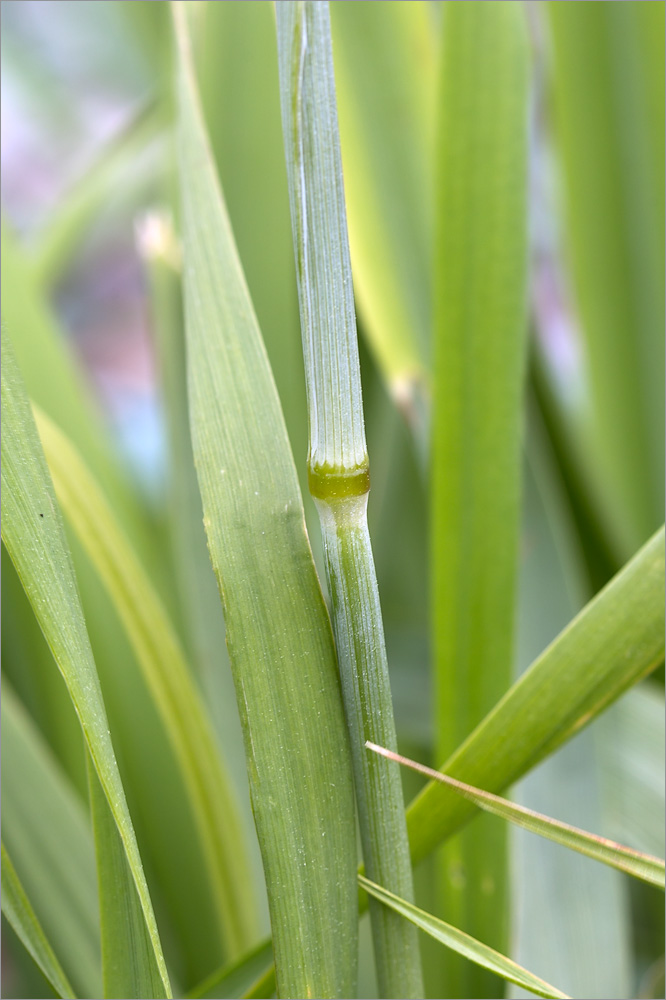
[[338, 467], [359, 636]]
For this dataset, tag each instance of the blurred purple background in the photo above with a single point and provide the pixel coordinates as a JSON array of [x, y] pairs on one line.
[[66, 94]]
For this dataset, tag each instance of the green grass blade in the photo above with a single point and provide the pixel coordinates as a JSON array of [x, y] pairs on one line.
[[195, 580], [52, 376], [16, 907], [608, 89], [150, 773], [616, 640], [129, 968], [28, 664], [386, 63], [236, 979], [608, 852], [264, 988], [47, 834], [479, 359], [462, 943], [162, 660], [632, 766], [338, 464], [152, 779], [241, 105], [278, 633], [34, 537]]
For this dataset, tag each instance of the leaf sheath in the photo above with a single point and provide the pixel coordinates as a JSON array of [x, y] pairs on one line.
[[338, 463]]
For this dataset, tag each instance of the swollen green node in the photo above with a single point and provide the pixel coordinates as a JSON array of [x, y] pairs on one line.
[[328, 483]]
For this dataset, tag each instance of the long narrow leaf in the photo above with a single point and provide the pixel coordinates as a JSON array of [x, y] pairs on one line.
[[33, 534], [195, 580], [197, 588], [27, 664], [57, 383], [163, 662], [156, 793], [480, 330], [241, 106], [16, 907], [129, 968], [625, 859], [278, 633], [47, 834], [615, 641], [462, 943]]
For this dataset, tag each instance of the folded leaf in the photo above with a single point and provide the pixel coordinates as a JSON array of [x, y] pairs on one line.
[[48, 836], [129, 968], [641, 866], [616, 640], [462, 943], [162, 660], [16, 907], [33, 534]]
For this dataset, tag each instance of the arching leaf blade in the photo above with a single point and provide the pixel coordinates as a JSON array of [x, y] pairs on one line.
[[16, 907], [617, 639], [608, 852], [34, 537], [462, 943], [129, 966], [47, 833], [254, 521], [163, 662]]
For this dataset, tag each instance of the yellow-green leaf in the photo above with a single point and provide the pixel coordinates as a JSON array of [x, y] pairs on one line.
[[33, 534], [163, 662]]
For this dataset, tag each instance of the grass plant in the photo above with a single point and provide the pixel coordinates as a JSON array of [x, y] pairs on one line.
[[209, 687]]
